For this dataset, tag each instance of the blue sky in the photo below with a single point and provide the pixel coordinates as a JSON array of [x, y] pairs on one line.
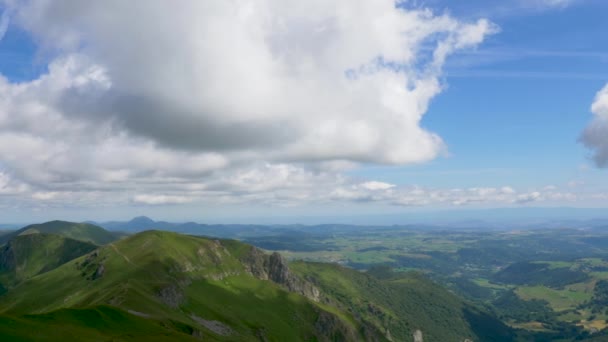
[[515, 107], [102, 117]]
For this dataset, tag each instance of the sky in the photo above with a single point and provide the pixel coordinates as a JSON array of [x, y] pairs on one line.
[[225, 111]]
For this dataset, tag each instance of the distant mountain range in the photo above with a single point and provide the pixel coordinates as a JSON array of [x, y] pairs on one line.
[[142, 223]]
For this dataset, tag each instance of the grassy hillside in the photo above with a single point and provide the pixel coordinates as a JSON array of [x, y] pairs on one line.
[[77, 231], [402, 304], [182, 287], [26, 256], [185, 283], [94, 324]]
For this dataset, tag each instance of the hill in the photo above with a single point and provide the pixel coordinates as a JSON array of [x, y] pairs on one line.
[[403, 303], [77, 231], [538, 273], [137, 224], [184, 287], [28, 255]]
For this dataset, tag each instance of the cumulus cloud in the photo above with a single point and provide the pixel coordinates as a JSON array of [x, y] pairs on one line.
[[324, 80], [249, 101], [595, 135], [159, 103]]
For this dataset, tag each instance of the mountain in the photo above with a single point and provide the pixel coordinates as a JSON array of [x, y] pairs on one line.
[[137, 224], [169, 286], [402, 303], [28, 255], [77, 231]]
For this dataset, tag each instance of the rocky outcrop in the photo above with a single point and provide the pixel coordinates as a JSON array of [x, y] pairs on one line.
[[101, 270], [278, 272], [256, 263], [92, 267], [215, 326], [171, 295], [330, 328], [276, 269]]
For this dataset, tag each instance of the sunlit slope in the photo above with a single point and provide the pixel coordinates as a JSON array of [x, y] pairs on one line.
[[194, 287], [203, 287], [102, 323], [77, 231]]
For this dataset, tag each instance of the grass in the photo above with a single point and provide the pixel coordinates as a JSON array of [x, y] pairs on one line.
[[599, 275], [401, 305], [92, 324], [556, 264], [138, 267], [77, 231], [32, 254], [486, 283], [559, 300]]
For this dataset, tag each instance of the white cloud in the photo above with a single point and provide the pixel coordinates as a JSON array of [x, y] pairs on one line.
[[375, 185], [10, 186], [252, 96], [259, 101], [509, 190], [595, 135], [160, 199], [338, 80], [44, 196], [528, 197]]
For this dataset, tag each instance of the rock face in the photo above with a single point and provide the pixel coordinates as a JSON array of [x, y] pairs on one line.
[[99, 272], [418, 336], [275, 268], [332, 329], [256, 263], [171, 295], [278, 271]]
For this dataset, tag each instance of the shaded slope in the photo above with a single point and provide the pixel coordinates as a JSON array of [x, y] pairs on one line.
[[403, 305], [28, 255], [77, 231]]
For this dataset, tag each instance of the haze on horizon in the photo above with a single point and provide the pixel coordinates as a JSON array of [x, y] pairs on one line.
[[255, 108]]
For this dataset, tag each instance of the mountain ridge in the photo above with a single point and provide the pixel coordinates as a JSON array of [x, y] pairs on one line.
[[78, 231], [228, 290]]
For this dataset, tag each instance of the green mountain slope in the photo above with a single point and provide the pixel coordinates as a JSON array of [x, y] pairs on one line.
[[102, 323], [183, 287], [198, 284], [77, 231], [28, 255], [403, 304]]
